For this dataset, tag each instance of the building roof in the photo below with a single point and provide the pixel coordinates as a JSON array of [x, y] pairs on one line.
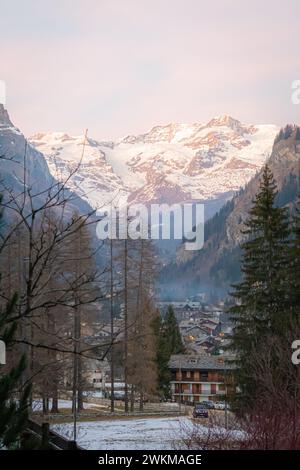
[[212, 321], [196, 328], [185, 361], [209, 339], [186, 324], [181, 305]]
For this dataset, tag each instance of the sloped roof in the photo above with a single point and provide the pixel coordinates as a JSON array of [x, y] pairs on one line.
[[185, 361]]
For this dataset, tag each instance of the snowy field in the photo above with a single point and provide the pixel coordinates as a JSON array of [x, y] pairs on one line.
[[66, 404], [122, 434]]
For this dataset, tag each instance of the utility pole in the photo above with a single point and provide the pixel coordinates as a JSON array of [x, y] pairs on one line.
[[75, 374], [78, 309], [112, 359], [298, 176], [226, 410], [180, 380], [22, 268], [126, 323]]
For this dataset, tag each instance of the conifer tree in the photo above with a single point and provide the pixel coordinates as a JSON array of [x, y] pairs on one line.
[[294, 271], [172, 334], [261, 304], [162, 358], [168, 342]]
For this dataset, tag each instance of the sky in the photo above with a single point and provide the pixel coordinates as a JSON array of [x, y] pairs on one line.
[[119, 67]]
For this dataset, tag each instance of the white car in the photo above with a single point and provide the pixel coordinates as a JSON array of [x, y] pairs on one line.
[[220, 405]]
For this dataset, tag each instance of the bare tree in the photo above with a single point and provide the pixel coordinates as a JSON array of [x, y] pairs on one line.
[[143, 373], [42, 225]]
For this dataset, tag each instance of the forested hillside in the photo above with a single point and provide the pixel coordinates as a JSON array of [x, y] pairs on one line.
[[217, 265]]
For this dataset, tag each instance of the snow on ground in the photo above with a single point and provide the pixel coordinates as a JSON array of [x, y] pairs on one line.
[[67, 404], [97, 394], [126, 434]]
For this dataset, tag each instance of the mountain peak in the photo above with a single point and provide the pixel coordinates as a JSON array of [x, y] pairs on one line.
[[4, 117], [55, 137], [225, 120], [172, 162]]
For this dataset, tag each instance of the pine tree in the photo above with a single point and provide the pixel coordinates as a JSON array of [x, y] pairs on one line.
[[172, 334], [261, 304], [294, 271], [162, 358], [168, 342], [13, 414]]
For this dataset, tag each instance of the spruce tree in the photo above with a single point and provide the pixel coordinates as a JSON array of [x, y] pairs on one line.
[[13, 414], [172, 334], [294, 270], [261, 304], [162, 358], [168, 342]]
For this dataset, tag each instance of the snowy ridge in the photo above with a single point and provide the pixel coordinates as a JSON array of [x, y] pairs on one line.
[[172, 163]]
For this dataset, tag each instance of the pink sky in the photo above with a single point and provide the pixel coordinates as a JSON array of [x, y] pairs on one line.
[[123, 66]]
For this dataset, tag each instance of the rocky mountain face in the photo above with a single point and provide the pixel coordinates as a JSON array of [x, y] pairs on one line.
[[285, 165], [217, 265], [21, 163], [173, 163], [14, 151]]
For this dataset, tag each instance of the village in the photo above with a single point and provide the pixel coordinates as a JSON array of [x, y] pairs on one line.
[[197, 375]]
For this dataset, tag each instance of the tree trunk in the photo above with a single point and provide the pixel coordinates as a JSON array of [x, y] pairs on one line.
[[54, 408], [132, 399], [141, 407], [80, 385]]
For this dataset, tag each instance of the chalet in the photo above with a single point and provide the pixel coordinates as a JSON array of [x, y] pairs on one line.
[[185, 325], [195, 332], [199, 378], [211, 327], [207, 343], [182, 310], [212, 321], [187, 305], [95, 374]]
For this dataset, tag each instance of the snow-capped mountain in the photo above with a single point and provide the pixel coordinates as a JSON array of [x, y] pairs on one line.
[[172, 163], [13, 148], [14, 151], [217, 266]]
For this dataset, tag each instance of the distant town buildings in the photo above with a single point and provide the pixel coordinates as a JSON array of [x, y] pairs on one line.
[[204, 328], [200, 378]]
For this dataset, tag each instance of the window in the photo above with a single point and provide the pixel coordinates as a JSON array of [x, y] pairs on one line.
[[203, 376]]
